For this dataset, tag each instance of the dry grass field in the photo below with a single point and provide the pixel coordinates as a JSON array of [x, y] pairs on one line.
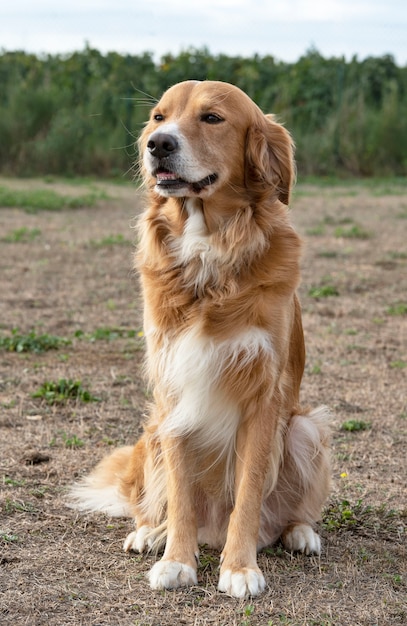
[[71, 389]]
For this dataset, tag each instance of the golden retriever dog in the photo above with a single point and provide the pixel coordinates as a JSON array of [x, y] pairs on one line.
[[229, 457]]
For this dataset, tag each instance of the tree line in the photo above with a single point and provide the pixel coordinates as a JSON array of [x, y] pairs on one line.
[[80, 114]]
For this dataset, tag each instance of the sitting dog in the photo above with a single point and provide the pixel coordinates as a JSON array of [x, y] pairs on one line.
[[228, 457]]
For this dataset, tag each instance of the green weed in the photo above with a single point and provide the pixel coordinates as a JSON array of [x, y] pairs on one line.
[[316, 231], [31, 342], [400, 365], [324, 291], [316, 369], [72, 441], [328, 254], [44, 199], [22, 235], [63, 390], [247, 611], [12, 482], [337, 221], [353, 232], [400, 308], [107, 334], [15, 506], [207, 560], [8, 537], [111, 240], [343, 515], [397, 255], [355, 425]]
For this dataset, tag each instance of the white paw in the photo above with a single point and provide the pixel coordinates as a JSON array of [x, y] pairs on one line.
[[301, 538], [171, 574], [242, 583], [139, 540]]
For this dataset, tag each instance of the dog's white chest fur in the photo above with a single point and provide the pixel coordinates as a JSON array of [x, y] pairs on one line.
[[189, 369], [195, 240], [196, 244]]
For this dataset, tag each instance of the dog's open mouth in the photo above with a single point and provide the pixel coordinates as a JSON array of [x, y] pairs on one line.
[[168, 181]]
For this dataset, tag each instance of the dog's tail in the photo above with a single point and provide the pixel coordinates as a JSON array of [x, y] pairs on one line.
[[102, 490]]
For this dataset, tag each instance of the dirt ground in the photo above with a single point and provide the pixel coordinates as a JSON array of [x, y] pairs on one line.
[[70, 271]]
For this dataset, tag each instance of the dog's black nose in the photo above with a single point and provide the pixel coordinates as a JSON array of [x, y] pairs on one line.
[[161, 145]]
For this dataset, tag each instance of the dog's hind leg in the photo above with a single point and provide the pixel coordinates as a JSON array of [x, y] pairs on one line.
[[302, 488], [145, 488]]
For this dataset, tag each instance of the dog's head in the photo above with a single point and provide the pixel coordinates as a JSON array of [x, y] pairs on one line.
[[203, 136]]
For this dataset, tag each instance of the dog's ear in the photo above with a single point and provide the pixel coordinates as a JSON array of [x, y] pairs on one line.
[[270, 158]]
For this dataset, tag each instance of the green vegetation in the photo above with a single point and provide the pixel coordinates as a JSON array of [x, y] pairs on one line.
[[8, 537], [355, 425], [400, 308], [33, 200], [31, 342], [15, 506], [21, 235], [80, 114], [12, 482], [353, 232], [111, 240], [63, 390], [399, 364], [344, 515], [109, 334], [324, 291], [72, 441]]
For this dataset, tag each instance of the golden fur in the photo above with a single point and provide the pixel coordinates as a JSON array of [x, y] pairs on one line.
[[228, 456]]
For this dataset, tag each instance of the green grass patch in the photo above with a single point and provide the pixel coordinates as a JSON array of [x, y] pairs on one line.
[[31, 342], [355, 425], [324, 291], [316, 369], [109, 334], [400, 308], [398, 365], [344, 516], [328, 254], [72, 441], [111, 240], [21, 235], [316, 231], [353, 232], [12, 482], [16, 506], [34, 200], [397, 255], [63, 390], [8, 537]]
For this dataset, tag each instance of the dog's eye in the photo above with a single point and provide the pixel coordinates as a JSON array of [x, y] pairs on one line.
[[211, 118], [157, 117]]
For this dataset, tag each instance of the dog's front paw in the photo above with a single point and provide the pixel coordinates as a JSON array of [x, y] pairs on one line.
[[171, 574], [241, 583], [302, 538]]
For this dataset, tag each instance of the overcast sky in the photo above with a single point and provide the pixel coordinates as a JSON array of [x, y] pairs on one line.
[[285, 29]]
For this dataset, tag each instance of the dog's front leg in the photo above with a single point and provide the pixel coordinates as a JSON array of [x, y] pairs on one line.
[[257, 448], [179, 562]]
